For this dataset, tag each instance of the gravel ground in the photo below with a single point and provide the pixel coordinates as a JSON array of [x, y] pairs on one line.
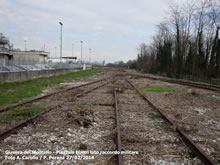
[[144, 131], [58, 98], [78, 124], [87, 125], [195, 110]]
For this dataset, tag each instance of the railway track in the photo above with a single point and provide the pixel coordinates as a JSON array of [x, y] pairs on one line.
[[118, 133], [125, 121], [210, 87], [9, 107], [20, 125], [70, 125], [142, 140]]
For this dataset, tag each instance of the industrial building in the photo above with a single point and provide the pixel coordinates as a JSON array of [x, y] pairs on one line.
[[5, 58], [28, 57], [10, 57], [16, 60], [70, 60], [67, 62]]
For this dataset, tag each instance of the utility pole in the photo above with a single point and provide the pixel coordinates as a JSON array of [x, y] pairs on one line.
[[72, 49], [25, 48], [81, 50], [90, 55], [55, 51], [61, 25]]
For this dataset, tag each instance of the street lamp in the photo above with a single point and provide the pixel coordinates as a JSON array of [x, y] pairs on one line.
[[72, 49], [25, 48], [55, 48], [90, 55], [81, 50], [61, 24]]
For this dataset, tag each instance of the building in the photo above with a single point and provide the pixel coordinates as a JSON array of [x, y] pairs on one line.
[[28, 57], [4, 43], [12, 57], [70, 60], [67, 62], [5, 58]]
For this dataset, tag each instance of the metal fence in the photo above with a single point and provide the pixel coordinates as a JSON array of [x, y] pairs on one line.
[[18, 68]]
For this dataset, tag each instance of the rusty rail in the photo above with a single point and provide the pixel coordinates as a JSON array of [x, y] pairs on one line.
[[4, 109], [182, 82], [207, 160], [118, 142], [10, 131]]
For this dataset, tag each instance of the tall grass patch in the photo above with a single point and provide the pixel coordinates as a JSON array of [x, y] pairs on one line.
[[20, 113], [160, 89], [13, 92]]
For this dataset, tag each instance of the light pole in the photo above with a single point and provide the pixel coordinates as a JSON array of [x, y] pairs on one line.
[[25, 48], [72, 49], [81, 50], [61, 25], [55, 51], [90, 55]]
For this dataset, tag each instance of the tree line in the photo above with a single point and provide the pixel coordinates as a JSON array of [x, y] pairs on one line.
[[186, 43]]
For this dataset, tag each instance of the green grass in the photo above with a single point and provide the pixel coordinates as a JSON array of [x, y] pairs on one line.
[[13, 92], [81, 106], [153, 115], [20, 113], [160, 89], [83, 146]]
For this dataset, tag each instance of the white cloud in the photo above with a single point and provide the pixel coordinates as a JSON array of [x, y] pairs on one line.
[[118, 25]]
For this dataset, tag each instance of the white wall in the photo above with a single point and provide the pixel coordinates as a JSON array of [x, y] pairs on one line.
[[27, 58], [3, 60]]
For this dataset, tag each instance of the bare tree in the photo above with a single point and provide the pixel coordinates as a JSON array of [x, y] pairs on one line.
[[186, 42]]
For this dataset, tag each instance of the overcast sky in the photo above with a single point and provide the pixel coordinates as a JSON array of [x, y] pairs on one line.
[[111, 28]]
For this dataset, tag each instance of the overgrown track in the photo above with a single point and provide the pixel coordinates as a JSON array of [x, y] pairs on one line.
[[7, 108], [130, 113], [188, 141], [210, 87], [16, 128], [118, 136], [141, 136]]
